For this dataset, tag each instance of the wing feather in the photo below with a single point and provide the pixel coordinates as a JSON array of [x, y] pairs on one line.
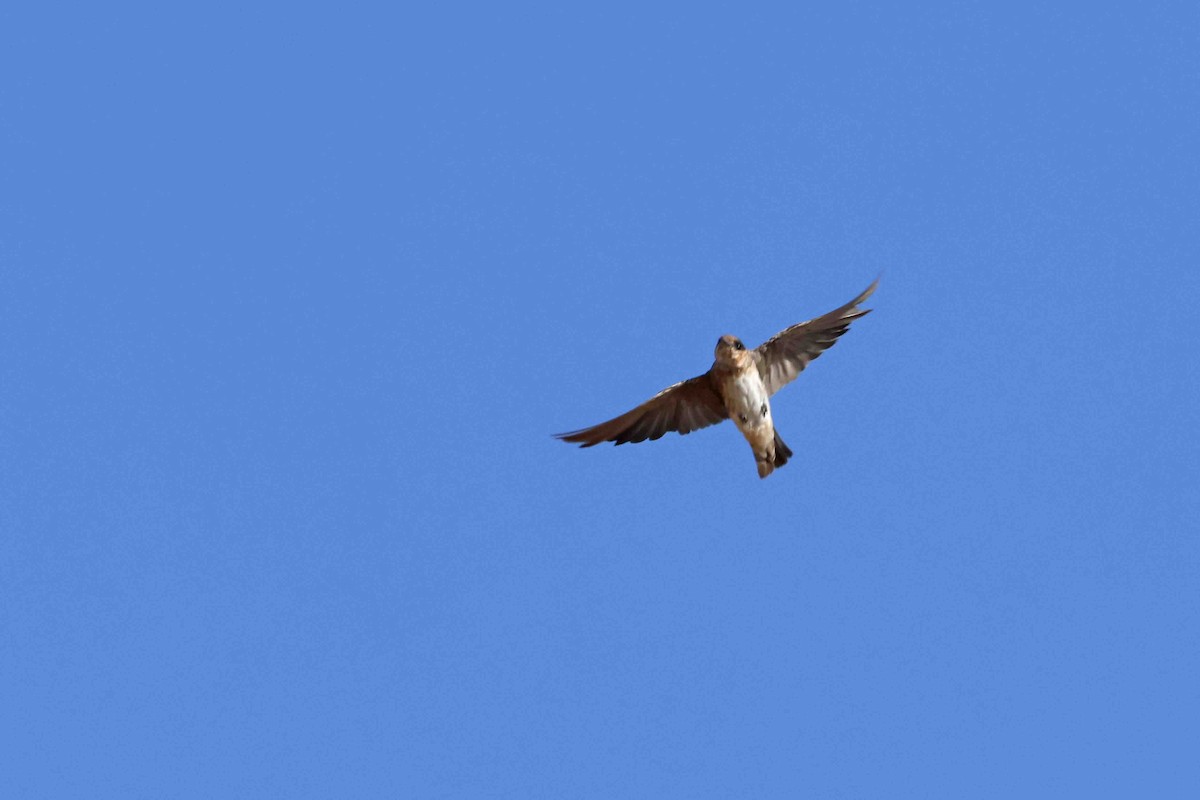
[[684, 407], [785, 355]]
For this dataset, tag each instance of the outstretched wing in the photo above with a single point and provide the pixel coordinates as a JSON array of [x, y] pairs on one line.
[[685, 407], [785, 355]]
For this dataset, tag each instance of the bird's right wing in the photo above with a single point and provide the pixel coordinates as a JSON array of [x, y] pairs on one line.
[[685, 407]]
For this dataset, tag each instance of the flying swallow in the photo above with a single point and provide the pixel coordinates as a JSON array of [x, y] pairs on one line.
[[738, 386]]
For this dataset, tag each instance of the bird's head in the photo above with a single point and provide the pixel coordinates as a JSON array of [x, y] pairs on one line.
[[730, 350]]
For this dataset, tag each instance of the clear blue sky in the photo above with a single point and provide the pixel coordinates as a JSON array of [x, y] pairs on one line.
[[292, 300]]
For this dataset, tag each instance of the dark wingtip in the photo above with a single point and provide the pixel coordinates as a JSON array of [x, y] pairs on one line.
[[572, 437], [870, 290]]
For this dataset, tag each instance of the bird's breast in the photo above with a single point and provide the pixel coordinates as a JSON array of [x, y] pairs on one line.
[[746, 399]]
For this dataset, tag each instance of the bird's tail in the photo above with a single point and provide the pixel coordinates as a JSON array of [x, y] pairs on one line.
[[767, 465]]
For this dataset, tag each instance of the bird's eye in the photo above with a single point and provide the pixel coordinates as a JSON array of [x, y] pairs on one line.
[[739, 346]]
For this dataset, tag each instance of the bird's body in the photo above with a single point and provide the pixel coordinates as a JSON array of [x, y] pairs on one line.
[[747, 401], [739, 386]]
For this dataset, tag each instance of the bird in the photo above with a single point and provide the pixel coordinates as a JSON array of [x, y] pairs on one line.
[[738, 386]]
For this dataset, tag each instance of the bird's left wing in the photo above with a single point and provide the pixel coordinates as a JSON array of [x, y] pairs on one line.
[[685, 407], [785, 355]]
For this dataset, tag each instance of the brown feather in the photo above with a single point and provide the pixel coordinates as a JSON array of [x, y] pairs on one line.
[[785, 355], [684, 407]]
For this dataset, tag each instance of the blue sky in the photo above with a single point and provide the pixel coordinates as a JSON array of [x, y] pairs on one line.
[[293, 298]]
